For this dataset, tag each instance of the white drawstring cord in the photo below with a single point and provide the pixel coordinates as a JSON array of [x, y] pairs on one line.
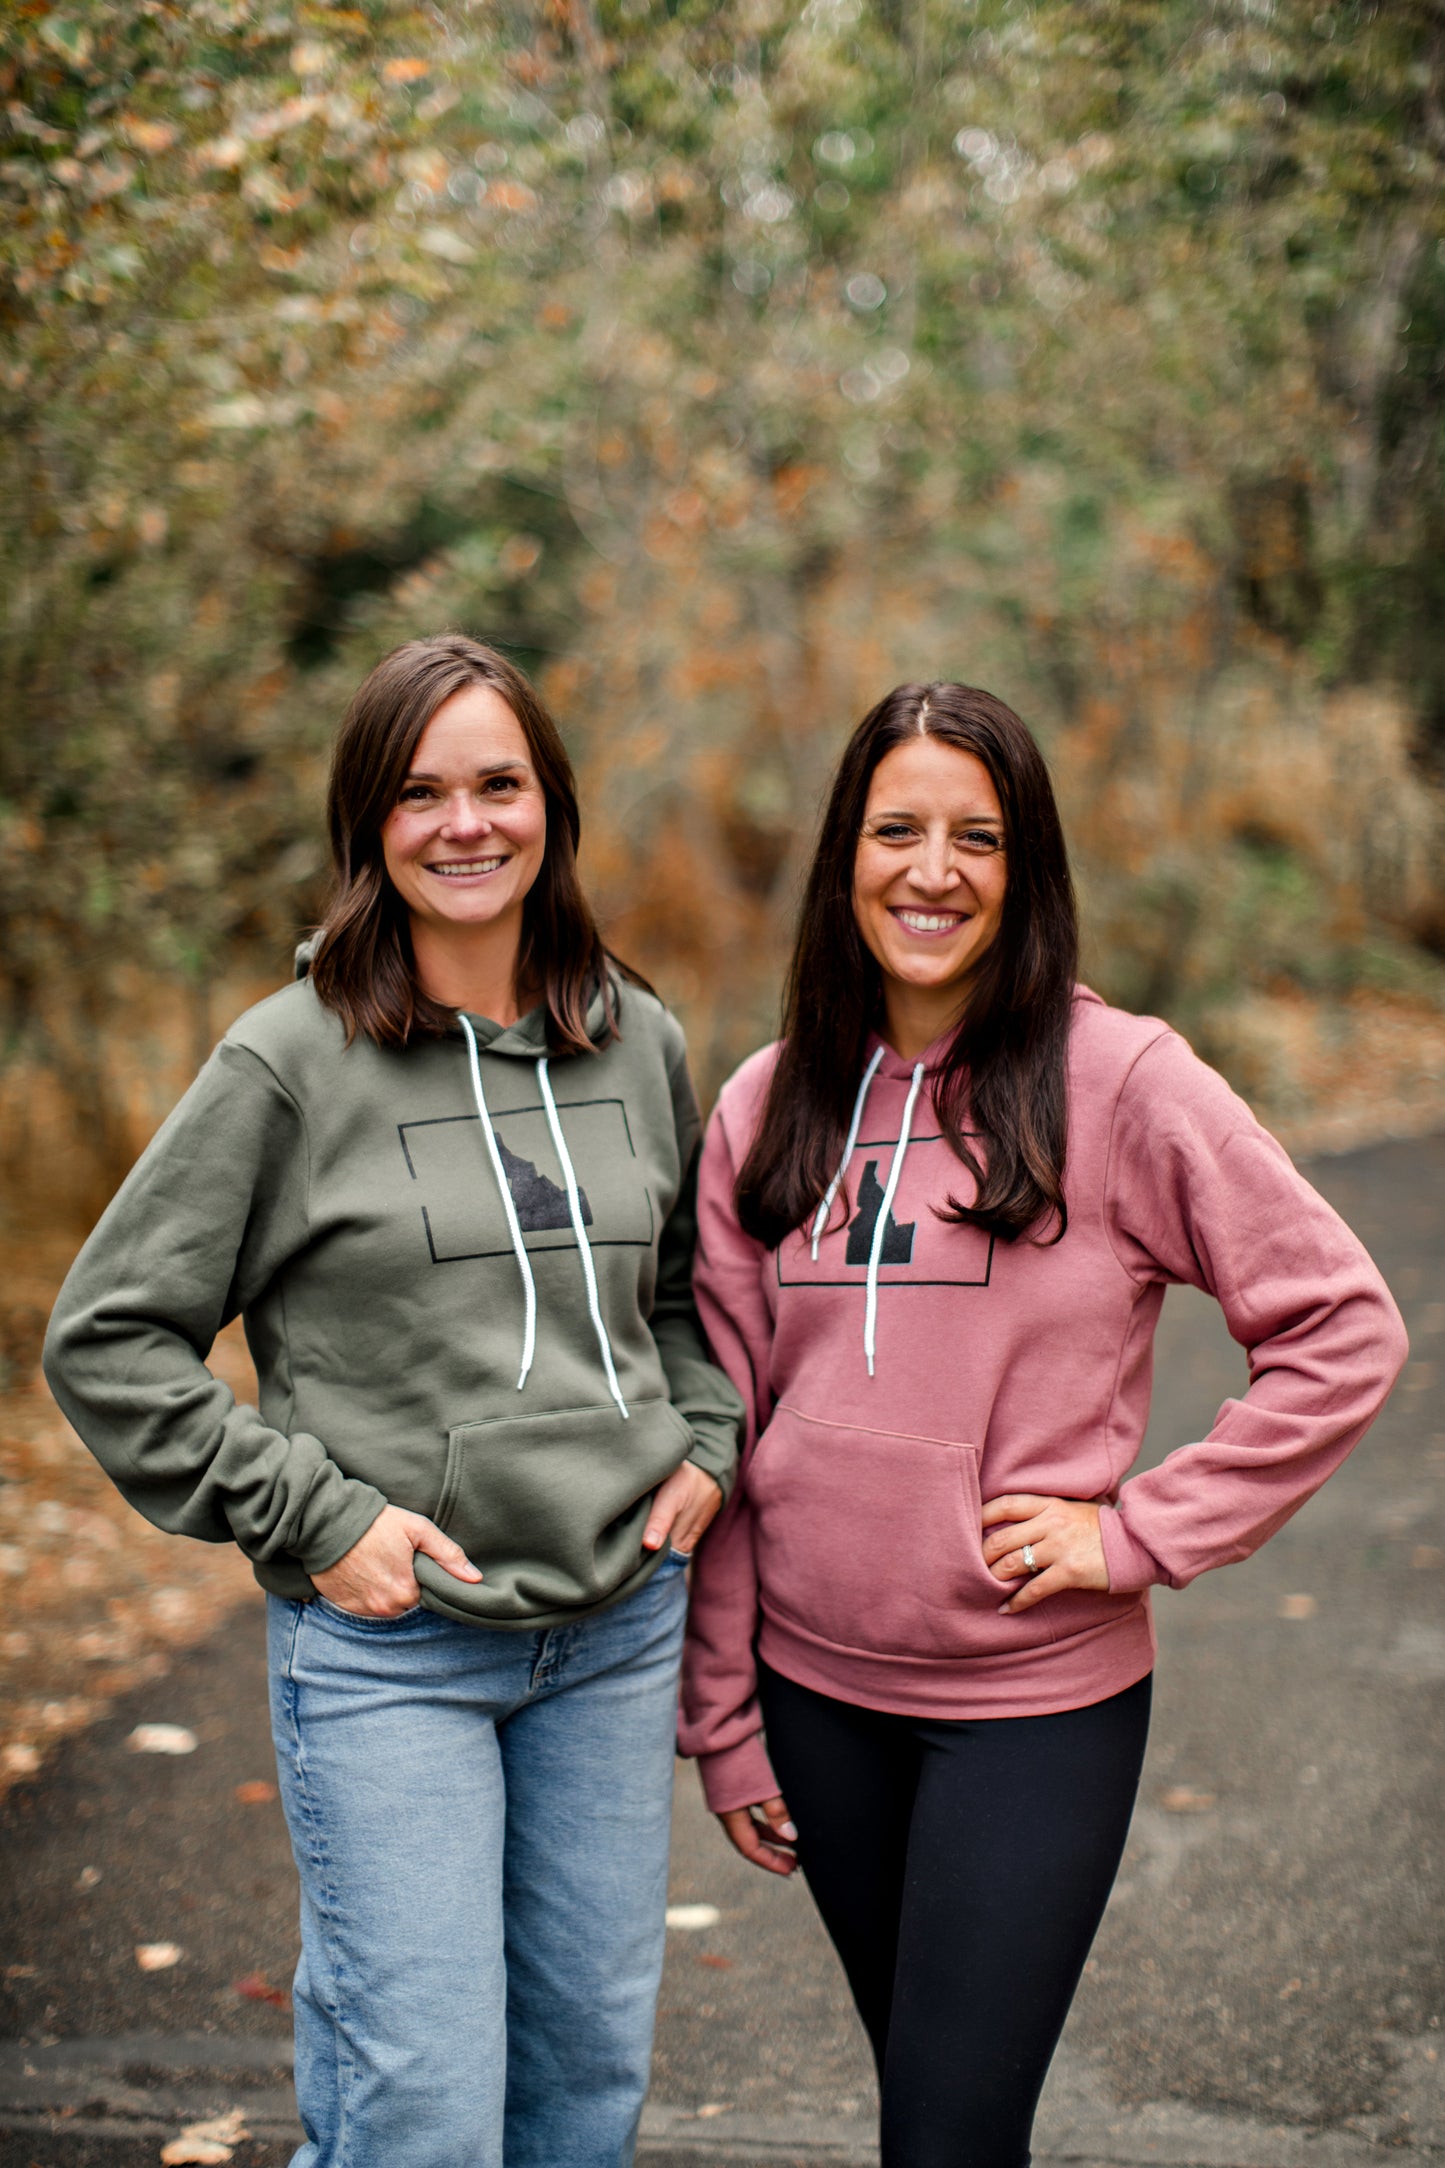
[[574, 1206], [880, 1225], [529, 1335], [820, 1219]]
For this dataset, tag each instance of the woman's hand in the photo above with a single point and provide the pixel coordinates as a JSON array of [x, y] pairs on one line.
[[684, 1505], [376, 1577], [1068, 1551], [749, 1829]]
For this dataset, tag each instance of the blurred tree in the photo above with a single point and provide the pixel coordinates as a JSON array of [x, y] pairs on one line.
[[730, 364]]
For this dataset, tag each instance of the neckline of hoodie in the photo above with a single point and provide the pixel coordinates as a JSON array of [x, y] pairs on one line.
[[899, 1068]]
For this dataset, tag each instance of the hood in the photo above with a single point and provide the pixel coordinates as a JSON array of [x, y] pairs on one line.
[[526, 1039]]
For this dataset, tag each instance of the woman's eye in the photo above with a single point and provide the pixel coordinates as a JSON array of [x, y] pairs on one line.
[[893, 832], [414, 792], [981, 839]]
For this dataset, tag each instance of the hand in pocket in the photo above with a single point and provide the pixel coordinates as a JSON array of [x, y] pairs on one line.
[[376, 1577]]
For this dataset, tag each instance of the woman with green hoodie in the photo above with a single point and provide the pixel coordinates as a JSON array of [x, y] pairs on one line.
[[446, 1179]]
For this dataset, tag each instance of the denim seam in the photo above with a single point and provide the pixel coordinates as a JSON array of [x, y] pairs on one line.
[[326, 1910]]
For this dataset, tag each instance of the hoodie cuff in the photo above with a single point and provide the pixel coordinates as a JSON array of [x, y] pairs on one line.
[[337, 1514], [715, 1451], [1130, 1566], [737, 1776]]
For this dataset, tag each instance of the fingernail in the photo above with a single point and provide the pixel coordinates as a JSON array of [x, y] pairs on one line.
[[650, 1541], [786, 1829]]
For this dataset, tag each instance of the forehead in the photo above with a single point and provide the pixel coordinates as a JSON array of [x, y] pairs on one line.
[[927, 774], [475, 728]]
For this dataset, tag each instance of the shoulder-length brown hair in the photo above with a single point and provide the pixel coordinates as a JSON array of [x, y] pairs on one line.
[[1004, 1070], [362, 966]]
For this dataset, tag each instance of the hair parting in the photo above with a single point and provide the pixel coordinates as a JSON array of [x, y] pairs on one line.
[[1000, 1089], [363, 967]]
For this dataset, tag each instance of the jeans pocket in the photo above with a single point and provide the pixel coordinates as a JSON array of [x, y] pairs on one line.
[[366, 1623]]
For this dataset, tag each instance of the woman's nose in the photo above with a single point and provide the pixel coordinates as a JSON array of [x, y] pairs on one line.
[[934, 869], [465, 817]]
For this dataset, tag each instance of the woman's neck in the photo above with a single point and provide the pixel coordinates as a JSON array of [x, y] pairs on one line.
[[914, 1016], [472, 967]]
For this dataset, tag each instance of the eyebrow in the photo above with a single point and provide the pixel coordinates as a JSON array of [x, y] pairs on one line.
[[496, 767]]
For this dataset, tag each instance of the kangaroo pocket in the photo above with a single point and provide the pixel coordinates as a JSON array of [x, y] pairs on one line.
[[872, 1539], [551, 1507]]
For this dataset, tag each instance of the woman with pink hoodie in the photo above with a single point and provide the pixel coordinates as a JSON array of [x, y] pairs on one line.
[[937, 1220]]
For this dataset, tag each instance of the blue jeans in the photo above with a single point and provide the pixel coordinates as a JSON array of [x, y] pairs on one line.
[[480, 1821]]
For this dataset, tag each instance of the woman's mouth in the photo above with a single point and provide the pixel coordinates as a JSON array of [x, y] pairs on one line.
[[927, 923], [465, 869]]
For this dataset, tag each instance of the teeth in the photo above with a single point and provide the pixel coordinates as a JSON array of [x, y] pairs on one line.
[[466, 866], [922, 922]]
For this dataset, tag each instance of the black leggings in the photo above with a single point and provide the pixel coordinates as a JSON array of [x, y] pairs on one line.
[[962, 1869]]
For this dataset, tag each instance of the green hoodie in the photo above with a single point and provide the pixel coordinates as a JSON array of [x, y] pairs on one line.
[[346, 1202]]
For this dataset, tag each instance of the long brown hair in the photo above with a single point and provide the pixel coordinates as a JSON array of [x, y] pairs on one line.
[[1004, 1070], [362, 966]]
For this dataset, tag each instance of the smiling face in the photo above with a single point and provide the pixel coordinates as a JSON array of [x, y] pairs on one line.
[[465, 840], [928, 883]]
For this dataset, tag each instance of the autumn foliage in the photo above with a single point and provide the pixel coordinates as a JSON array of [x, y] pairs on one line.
[[728, 364]]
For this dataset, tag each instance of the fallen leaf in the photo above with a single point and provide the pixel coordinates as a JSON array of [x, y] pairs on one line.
[[692, 1917], [20, 1760], [256, 1792], [87, 1878], [404, 70], [1296, 1607], [257, 1988], [1425, 1555], [158, 1956], [713, 2107], [161, 1739], [22, 1972], [1183, 1799], [1291, 1987], [719, 1964], [206, 2143]]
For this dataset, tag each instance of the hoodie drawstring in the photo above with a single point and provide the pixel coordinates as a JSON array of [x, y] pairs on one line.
[[820, 1220], [529, 1285], [880, 1225], [574, 1206]]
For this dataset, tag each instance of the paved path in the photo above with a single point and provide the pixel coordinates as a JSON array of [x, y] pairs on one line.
[[1266, 1992]]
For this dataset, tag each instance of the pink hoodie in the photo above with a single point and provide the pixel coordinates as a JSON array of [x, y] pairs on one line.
[[850, 1552]]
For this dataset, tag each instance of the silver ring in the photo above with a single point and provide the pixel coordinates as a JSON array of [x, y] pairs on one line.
[[1030, 1565]]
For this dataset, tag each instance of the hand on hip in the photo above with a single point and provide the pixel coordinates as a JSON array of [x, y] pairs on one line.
[[1049, 1543]]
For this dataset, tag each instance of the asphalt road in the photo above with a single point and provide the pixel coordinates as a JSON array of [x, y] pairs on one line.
[[1266, 1991]]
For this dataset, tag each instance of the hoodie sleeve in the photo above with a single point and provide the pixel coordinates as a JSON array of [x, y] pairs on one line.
[[697, 1388], [721, 1721], [210, 1212], [1198, 1192]]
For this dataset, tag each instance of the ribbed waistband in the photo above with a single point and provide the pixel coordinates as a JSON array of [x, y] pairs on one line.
[[1069, 1674]]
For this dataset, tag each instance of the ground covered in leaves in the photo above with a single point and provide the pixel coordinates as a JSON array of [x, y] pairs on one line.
[[94, 1600]]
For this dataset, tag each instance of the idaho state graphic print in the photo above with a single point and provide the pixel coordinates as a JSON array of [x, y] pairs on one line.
[[457, 1193], [919, 1249]]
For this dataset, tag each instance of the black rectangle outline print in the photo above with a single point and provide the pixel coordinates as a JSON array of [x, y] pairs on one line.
[[868, 1144], [540, 1249]]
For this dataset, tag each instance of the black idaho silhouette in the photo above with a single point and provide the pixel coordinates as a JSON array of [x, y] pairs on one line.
[[897, 1241], [540, 1203]]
